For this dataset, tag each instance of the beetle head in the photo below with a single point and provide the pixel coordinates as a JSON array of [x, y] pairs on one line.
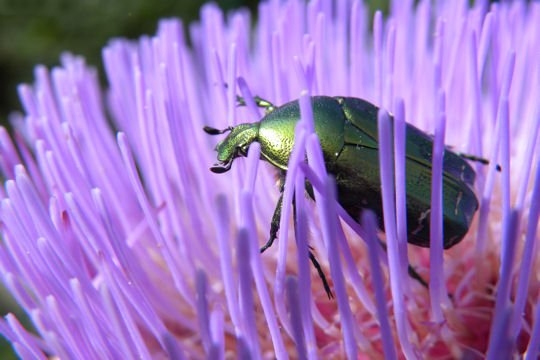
[[236, 144]]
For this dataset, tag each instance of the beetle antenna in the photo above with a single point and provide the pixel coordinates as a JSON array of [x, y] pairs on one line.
[[240, 101], [479, 159], [213, 131]]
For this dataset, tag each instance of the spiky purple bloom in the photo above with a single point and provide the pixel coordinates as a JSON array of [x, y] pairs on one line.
[[121, 243]]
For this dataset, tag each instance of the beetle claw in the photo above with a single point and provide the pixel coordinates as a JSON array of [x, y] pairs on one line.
[[221, 167]]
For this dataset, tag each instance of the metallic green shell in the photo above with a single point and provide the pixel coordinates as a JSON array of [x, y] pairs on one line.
[[347, 130]]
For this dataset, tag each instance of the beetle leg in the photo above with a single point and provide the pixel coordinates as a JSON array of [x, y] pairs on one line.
[[265, 104], [274, 228], [412, 273], [274, 225], [259, 101], [416, 276], [240, 101], [320, 271], [312, 257]]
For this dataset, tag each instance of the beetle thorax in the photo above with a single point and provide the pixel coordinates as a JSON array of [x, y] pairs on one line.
[[277, 144]]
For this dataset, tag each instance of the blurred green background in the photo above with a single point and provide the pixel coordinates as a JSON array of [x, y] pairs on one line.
[[36, 32]]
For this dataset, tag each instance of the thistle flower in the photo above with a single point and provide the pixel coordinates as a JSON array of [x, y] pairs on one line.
[[118, 242]]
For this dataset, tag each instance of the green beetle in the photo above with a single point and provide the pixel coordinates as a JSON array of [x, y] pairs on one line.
[[347, 131]]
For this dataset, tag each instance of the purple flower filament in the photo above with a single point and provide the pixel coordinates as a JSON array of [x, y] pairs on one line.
[[126, 245]]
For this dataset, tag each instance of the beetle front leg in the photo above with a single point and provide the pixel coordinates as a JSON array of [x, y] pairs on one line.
[[274, 225], [265, 104], [412, 272], [274, 228]]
